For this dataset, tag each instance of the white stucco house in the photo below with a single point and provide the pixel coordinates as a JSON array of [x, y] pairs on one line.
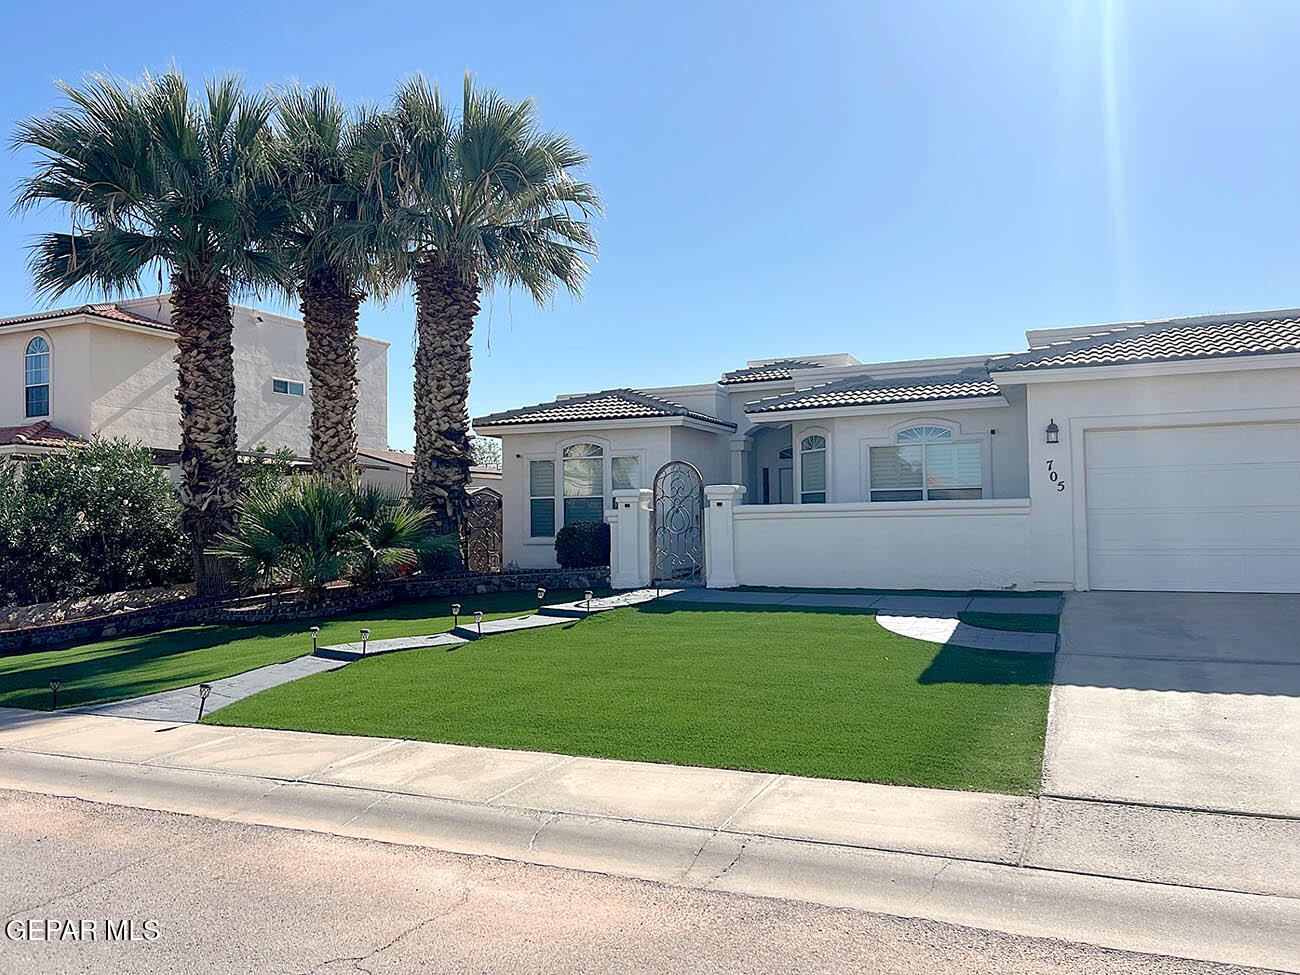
[[1142, 455], [109, 368]]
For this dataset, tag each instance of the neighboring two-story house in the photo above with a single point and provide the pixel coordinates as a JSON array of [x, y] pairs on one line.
[[110, 369]]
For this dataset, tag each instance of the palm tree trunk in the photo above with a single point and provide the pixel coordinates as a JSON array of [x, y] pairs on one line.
[[329, 314], [445, 306], [206, 392]]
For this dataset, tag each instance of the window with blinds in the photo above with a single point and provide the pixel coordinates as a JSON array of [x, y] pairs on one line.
[[926, 465]]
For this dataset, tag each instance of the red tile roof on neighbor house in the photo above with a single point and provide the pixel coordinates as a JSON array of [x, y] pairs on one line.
[[1171, 340], [104, 309], [38, 434]]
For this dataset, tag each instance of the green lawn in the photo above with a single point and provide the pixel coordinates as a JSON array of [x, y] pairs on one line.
[[810, 692], [135, 665]]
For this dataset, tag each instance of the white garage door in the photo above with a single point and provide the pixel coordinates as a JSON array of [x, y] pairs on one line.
[[1211, 509]]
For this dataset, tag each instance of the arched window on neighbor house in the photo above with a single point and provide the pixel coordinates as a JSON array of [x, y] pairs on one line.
[[812, 469], [36, 373]]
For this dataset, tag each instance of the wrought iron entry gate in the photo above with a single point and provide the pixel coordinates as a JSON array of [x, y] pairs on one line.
[[483, 531], [677, 525]]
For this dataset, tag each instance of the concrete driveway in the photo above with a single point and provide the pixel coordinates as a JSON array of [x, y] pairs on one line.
[[1178, 699]]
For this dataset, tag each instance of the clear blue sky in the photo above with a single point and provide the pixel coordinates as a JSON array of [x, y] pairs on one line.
[[894, 180]]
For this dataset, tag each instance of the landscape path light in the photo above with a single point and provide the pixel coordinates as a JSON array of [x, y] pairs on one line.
[[204, 691], [587, 596], [315, 638], [54, 693], [365, 638], [455, 615], [478, 620], [541, 594]]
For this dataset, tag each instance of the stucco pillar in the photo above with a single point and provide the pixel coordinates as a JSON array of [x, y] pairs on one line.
[[742, 449], [720, 502], [629, 539]]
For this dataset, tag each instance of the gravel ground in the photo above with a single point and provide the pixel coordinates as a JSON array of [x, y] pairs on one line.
[[233, 898]]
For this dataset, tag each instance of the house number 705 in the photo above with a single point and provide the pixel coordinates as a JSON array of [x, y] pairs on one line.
[[1054, 477]]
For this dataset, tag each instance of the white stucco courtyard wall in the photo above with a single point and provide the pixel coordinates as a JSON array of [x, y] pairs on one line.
[[928, 545]]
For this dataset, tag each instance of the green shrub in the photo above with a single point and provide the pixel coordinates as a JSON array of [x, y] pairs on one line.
[[582, 544], [311, 531], [101, 518]]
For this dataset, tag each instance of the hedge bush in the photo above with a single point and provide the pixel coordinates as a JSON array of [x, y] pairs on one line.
[[582, 545], [96, 519]]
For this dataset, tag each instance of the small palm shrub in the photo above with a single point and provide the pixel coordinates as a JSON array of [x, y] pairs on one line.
[[311, 531]]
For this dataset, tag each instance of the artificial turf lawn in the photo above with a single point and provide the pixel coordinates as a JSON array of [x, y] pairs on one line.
[[809, 692], [131, 666]]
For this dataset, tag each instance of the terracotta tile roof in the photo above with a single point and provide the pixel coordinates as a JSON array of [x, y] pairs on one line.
[[103, 309], [1167, 341], [866, 391], [609, 404], [767, 372], [38, 434]]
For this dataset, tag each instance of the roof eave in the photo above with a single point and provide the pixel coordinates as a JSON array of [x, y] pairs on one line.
[[875, 409], [1012, 376], [509, 428]]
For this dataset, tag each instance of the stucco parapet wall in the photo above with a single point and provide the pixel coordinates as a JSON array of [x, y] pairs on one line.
[[887, 509]]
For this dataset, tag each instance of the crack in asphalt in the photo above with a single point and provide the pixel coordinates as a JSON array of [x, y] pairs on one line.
[[473, 880]]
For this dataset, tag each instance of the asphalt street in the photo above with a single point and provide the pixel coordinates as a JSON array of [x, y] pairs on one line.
[[226, 897]]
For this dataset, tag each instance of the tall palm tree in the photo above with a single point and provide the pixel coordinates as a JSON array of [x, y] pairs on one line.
[[154, 176], [329, 245], [485, 198]]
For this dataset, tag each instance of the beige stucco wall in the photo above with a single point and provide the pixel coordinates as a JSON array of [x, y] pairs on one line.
[[122, 381]]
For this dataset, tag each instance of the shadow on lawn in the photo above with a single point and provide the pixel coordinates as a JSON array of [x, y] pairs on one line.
[[961, 665]]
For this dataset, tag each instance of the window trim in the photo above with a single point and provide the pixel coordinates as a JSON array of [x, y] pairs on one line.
[[529, 497], [49, 376], [797, 438], [556, 454], [959, 436], [288, 387]]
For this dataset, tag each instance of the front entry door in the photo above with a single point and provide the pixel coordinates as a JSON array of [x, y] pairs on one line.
[[785, 485]]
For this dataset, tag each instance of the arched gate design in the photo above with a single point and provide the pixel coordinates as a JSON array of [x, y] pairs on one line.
[[483, 531], [677, 525]]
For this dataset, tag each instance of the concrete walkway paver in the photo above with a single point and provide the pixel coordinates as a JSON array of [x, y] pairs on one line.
[[182, 703], [951, 632]]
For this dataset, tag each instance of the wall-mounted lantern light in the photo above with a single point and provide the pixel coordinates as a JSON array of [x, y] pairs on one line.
[[1053, 432]]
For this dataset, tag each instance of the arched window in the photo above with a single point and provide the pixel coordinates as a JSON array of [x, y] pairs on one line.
[[584, 483], [36, 370], [927, 465], [812, 470]]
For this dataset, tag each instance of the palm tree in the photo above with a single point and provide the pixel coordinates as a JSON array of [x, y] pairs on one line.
[[155, 177], [328, 243], [484, 199]]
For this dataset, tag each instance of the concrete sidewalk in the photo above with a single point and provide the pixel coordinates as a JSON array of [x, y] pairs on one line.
[[1231, 883]]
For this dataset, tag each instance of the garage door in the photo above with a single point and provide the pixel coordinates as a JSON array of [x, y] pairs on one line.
[[1211, 509]]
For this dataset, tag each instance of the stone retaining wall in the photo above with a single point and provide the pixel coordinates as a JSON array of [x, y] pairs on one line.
[[262, 609]]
